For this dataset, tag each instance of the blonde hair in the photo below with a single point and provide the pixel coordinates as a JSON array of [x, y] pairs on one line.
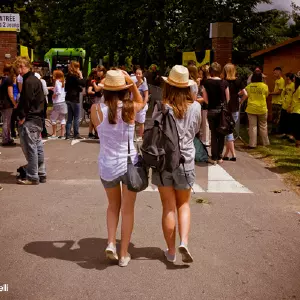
[[59, 75], [229, 72], [178, 98], [215, 69], [22, 60], [73, 68]]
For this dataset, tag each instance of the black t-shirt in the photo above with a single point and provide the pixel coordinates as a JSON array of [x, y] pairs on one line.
[[215, 89], [7, 82], [235, 86]]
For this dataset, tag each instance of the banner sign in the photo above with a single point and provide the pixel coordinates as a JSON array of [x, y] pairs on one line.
[[9, 21]]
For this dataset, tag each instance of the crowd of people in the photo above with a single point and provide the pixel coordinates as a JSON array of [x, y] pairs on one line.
[[118, 103]]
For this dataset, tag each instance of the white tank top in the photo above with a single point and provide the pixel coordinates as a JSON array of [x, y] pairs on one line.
[[114, 145]]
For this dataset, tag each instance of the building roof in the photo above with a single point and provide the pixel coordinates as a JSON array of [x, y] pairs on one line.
[[285, 43]]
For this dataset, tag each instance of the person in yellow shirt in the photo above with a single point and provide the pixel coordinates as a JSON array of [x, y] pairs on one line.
[[285, 116], [295, 110], [277, 99], [257, 110]]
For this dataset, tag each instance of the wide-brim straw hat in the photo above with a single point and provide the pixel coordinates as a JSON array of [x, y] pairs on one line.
[[115, 81], [179, 77]]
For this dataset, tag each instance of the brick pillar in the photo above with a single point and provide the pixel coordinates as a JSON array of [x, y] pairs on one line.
[[8, 46], [222, 48], [222, 40]]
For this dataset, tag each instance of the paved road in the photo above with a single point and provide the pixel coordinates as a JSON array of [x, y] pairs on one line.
[[246, 241]]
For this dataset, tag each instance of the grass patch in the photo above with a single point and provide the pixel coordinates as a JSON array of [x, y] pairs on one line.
[[282, 157]]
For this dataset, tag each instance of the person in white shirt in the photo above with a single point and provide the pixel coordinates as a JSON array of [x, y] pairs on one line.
[[60, 108]]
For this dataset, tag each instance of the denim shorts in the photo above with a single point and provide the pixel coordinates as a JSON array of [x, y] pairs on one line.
[[115, 182], [229, 137], [179, 179]]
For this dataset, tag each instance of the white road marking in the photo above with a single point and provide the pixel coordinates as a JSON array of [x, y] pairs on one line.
[[74, 142], [219, 181]]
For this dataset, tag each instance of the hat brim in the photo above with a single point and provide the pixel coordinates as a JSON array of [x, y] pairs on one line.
[[115, 88], [188, 84]]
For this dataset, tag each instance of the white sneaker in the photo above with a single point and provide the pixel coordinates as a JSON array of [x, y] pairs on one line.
[[169, 257], [124, 261], [111, 252], [139, 139], [186, 255]]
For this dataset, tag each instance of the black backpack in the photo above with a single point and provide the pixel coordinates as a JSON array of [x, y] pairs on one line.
[[160, 148]]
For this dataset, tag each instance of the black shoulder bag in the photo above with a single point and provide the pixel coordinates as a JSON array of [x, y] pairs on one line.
[[137, 175]]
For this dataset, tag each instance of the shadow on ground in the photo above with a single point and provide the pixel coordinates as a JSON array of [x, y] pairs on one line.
[[88, 253], [7, 177]]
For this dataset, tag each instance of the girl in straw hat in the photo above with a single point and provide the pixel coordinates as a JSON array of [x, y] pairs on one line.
[[175, 191], [115, 123]]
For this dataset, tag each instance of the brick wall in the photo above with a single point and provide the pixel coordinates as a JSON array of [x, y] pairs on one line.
[[222, 48], [8, 45], [288, 58]]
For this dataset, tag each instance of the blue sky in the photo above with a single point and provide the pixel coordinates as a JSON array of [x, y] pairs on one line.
[[279, 4]]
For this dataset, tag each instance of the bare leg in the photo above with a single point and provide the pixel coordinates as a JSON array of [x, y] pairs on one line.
[[54, 129], [226, 150], [127, 210], [168, 199], [91, 127], [141, 130], [230, 147], [184, 214], [113, 212], [62, 130]]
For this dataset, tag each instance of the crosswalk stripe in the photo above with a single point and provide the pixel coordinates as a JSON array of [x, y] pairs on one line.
[[219, 181]]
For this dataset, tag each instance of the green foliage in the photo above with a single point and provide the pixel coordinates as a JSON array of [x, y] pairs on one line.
[[149, 31]]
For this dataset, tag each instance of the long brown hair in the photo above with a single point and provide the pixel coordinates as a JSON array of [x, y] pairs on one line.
[[112, 98], [73, 68], [193, 71], [59, 75], [178, 98]]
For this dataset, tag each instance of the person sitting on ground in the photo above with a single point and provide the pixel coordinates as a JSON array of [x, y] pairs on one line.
[[115, 123], [7, 104], [60, 108], [285, 115], [216, 94], [257, 110], [175, 188], [236, 91]]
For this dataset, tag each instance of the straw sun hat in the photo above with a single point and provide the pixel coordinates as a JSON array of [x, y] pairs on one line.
[[179, 77], [115, 81]]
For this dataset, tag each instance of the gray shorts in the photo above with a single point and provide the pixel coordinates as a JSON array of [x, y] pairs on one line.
[[115, 182], [179, 179]]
